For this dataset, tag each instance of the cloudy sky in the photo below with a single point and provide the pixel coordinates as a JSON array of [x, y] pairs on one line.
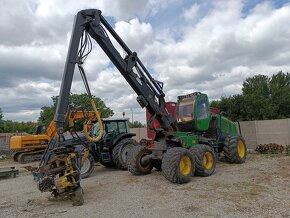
[[203, 45]]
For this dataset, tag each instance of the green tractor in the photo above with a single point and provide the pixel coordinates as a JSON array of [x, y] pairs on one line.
[[112, 149], [206, 133]]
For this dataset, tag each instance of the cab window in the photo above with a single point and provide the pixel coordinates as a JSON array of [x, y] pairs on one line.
[[202, 108], [122, 127], [112, 127], [185, 111]]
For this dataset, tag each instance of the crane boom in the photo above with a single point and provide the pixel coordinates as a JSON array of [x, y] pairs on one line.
[[150, 94]]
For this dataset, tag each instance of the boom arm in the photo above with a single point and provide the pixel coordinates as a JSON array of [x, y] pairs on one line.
[[149, 91]]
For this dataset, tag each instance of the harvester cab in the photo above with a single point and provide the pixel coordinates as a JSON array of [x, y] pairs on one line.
[[193, 112]]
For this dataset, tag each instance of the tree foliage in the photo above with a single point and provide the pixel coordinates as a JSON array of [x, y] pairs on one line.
[[10, 126], [262, 98], [1, 121], [76, 102], [136, 124]]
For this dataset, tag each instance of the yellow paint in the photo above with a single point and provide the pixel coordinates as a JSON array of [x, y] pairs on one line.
[[185, 166], [207, 160], [86, 124], [241, 149]]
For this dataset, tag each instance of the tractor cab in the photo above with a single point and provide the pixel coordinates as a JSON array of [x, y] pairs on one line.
[[112, 129], [193, 112]]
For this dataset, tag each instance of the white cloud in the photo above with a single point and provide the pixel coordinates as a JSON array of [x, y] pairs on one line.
[[192, 13], [212, 53], [224, 48]]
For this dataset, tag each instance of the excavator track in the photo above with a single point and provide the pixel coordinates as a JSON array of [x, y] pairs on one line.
[[27, 157]]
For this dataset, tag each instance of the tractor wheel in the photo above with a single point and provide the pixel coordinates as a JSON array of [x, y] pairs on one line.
[[87, 166], [157, 164], [205, 159], [134, 160], [235, 149], [120, 152], [178, 165]]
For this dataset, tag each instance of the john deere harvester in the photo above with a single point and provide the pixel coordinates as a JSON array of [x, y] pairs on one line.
[[205, 132], [200, 134]]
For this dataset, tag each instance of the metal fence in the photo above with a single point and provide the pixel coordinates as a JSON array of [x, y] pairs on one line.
[[4, 141]]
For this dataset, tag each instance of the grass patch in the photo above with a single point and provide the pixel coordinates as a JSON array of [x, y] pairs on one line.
[[6, 159]]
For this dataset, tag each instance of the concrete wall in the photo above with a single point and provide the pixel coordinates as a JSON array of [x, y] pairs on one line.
[[254, 132], [141, 133], [266, 131], [248, 130]]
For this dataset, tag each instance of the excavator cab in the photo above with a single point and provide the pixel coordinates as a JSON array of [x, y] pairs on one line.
[[193, 112]]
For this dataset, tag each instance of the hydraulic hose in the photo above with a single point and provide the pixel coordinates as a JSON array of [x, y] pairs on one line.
[[101, 131]]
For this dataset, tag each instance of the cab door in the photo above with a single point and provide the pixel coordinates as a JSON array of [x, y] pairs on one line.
[[202, 113]]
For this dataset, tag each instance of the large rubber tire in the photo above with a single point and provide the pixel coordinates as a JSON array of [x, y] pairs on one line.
[[205, 159], [235, 149], [134, 161], [120, 152], [87, 167], [178, 165]]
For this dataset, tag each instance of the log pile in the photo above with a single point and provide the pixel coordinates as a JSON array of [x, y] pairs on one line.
[[271, 148]]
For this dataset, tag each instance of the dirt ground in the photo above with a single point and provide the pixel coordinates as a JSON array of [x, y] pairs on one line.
[[258, 188]]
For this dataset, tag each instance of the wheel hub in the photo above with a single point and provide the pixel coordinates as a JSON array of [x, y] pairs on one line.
[[241, 149], [207, 160], [185, 165]]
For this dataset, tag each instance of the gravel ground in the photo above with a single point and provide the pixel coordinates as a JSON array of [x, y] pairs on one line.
[[258, 188]]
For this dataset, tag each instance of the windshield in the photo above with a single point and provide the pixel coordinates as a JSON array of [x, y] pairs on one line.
[[185, 111], [202, 108]]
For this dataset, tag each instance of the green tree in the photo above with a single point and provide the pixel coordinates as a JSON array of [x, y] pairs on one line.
[[233, 107], [279, 87], [76, 101], [10, 126], [136, 124], [262, 98], [1, 121], [256, 94]]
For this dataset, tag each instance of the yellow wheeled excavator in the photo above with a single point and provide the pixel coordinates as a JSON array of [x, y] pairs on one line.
[[29, 148]]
